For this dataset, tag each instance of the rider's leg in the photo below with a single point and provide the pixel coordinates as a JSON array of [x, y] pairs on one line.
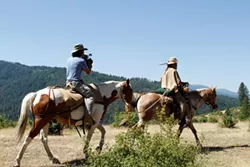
[[89, 97], [182, 109], [89, 100]]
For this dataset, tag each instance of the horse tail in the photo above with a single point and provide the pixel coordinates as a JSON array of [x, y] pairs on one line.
[[25, 108]]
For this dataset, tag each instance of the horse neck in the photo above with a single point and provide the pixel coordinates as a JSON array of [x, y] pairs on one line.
[[136, 96], [108, 87], [196, 99]]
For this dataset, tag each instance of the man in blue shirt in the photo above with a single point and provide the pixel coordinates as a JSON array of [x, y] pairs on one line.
[[75, 66]]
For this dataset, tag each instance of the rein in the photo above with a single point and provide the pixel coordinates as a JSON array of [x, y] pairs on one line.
[[160, 98]]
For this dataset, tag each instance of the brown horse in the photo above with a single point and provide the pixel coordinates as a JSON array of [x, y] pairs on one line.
[[146, 105], [67, 108]]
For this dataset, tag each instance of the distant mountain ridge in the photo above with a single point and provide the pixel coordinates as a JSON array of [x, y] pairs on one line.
[[220, 91]]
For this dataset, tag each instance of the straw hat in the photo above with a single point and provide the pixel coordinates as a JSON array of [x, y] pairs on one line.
[[172, 60]]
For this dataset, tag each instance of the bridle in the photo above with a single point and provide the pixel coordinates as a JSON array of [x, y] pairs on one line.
[[121, 95]]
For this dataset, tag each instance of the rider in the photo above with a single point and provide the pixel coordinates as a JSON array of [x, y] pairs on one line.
[[172, 83], [75, 65]]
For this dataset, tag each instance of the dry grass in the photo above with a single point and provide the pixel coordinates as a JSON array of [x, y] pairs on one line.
[[225, 147]]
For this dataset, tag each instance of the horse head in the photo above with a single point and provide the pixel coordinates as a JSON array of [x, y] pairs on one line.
[[126, 91], [209, 96]]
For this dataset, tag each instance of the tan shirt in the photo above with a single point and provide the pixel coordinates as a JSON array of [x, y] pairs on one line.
[[170, 79]]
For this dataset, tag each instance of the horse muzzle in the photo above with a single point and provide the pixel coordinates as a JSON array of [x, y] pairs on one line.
[[215, 107]]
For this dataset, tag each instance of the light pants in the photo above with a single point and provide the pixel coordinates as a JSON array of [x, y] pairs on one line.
[[85, 91]]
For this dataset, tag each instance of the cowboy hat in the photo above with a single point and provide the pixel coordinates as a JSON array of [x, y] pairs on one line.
[[172, 60], [78, 47]]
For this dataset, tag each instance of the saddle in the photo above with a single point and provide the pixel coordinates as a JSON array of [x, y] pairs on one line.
[[163, 91], [73, 99]]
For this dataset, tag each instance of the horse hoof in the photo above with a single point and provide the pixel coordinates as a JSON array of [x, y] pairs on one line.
[[16, 164], [55, 161], [98, 149], [85, 156]]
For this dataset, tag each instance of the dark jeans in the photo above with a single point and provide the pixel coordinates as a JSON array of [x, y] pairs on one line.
[[183, 109]]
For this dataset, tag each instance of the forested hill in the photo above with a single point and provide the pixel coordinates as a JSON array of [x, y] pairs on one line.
[[16, 80]]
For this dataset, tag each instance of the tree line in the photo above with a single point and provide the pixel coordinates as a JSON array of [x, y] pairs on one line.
[[16, 80]]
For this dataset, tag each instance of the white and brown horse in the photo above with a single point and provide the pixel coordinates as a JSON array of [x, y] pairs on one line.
[[67, 108], [147, 104]]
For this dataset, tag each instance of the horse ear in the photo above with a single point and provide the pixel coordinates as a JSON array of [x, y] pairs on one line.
[[213, 88], [127, 81]]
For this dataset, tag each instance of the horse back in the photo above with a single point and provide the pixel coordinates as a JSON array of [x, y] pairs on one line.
[[71, 99], [154, 100]]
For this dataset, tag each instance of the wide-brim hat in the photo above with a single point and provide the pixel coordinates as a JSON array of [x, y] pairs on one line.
[[79, 47], [172, 60]]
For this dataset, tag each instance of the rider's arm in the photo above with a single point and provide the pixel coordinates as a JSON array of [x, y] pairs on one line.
[[177, 79], [87, 70], [84, 67]]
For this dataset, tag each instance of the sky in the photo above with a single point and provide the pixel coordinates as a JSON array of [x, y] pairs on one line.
[[130, 38]]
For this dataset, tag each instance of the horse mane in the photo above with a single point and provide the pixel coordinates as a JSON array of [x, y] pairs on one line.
[[201, 89]]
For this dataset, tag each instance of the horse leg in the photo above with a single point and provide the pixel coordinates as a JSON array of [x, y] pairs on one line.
[[44, 139], [139, 124], [26, 142], [180, 130], [101, 143], [38, 125], [128, 108], [191, 126], [88, 138]]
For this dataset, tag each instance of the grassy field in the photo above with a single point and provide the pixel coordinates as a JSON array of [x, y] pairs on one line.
[[224, 147]]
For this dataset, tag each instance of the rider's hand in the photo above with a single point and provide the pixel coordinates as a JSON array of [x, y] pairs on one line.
[[185, 84]]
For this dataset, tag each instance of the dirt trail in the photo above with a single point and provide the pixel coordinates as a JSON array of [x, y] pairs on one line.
[[225, 147]]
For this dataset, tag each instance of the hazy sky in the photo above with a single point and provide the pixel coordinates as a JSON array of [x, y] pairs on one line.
[[130, 38]]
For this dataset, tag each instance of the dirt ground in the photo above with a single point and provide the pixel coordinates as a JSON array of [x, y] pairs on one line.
[[225, 147]]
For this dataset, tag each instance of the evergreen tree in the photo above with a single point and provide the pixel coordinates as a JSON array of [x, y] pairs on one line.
[[242, 93], [244, 102], [245, 109]]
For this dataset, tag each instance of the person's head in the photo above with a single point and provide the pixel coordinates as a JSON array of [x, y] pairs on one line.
[[172, 62], [78, 50]]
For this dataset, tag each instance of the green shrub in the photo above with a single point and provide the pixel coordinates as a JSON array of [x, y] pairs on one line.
[[218, 113], [228, 120], [4, 123], [200, 119], [131, 117], [55, 128], [139, 148], [212, 119]]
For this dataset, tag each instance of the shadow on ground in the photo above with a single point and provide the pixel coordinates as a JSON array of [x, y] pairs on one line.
[[219, 148], [76, 163]]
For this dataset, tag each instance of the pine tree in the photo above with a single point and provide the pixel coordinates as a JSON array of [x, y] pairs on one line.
[[245, 109], [244, 102], [242, 93]]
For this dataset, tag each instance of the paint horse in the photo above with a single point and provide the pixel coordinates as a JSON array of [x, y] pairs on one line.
[[67, 108], [147, 104]]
